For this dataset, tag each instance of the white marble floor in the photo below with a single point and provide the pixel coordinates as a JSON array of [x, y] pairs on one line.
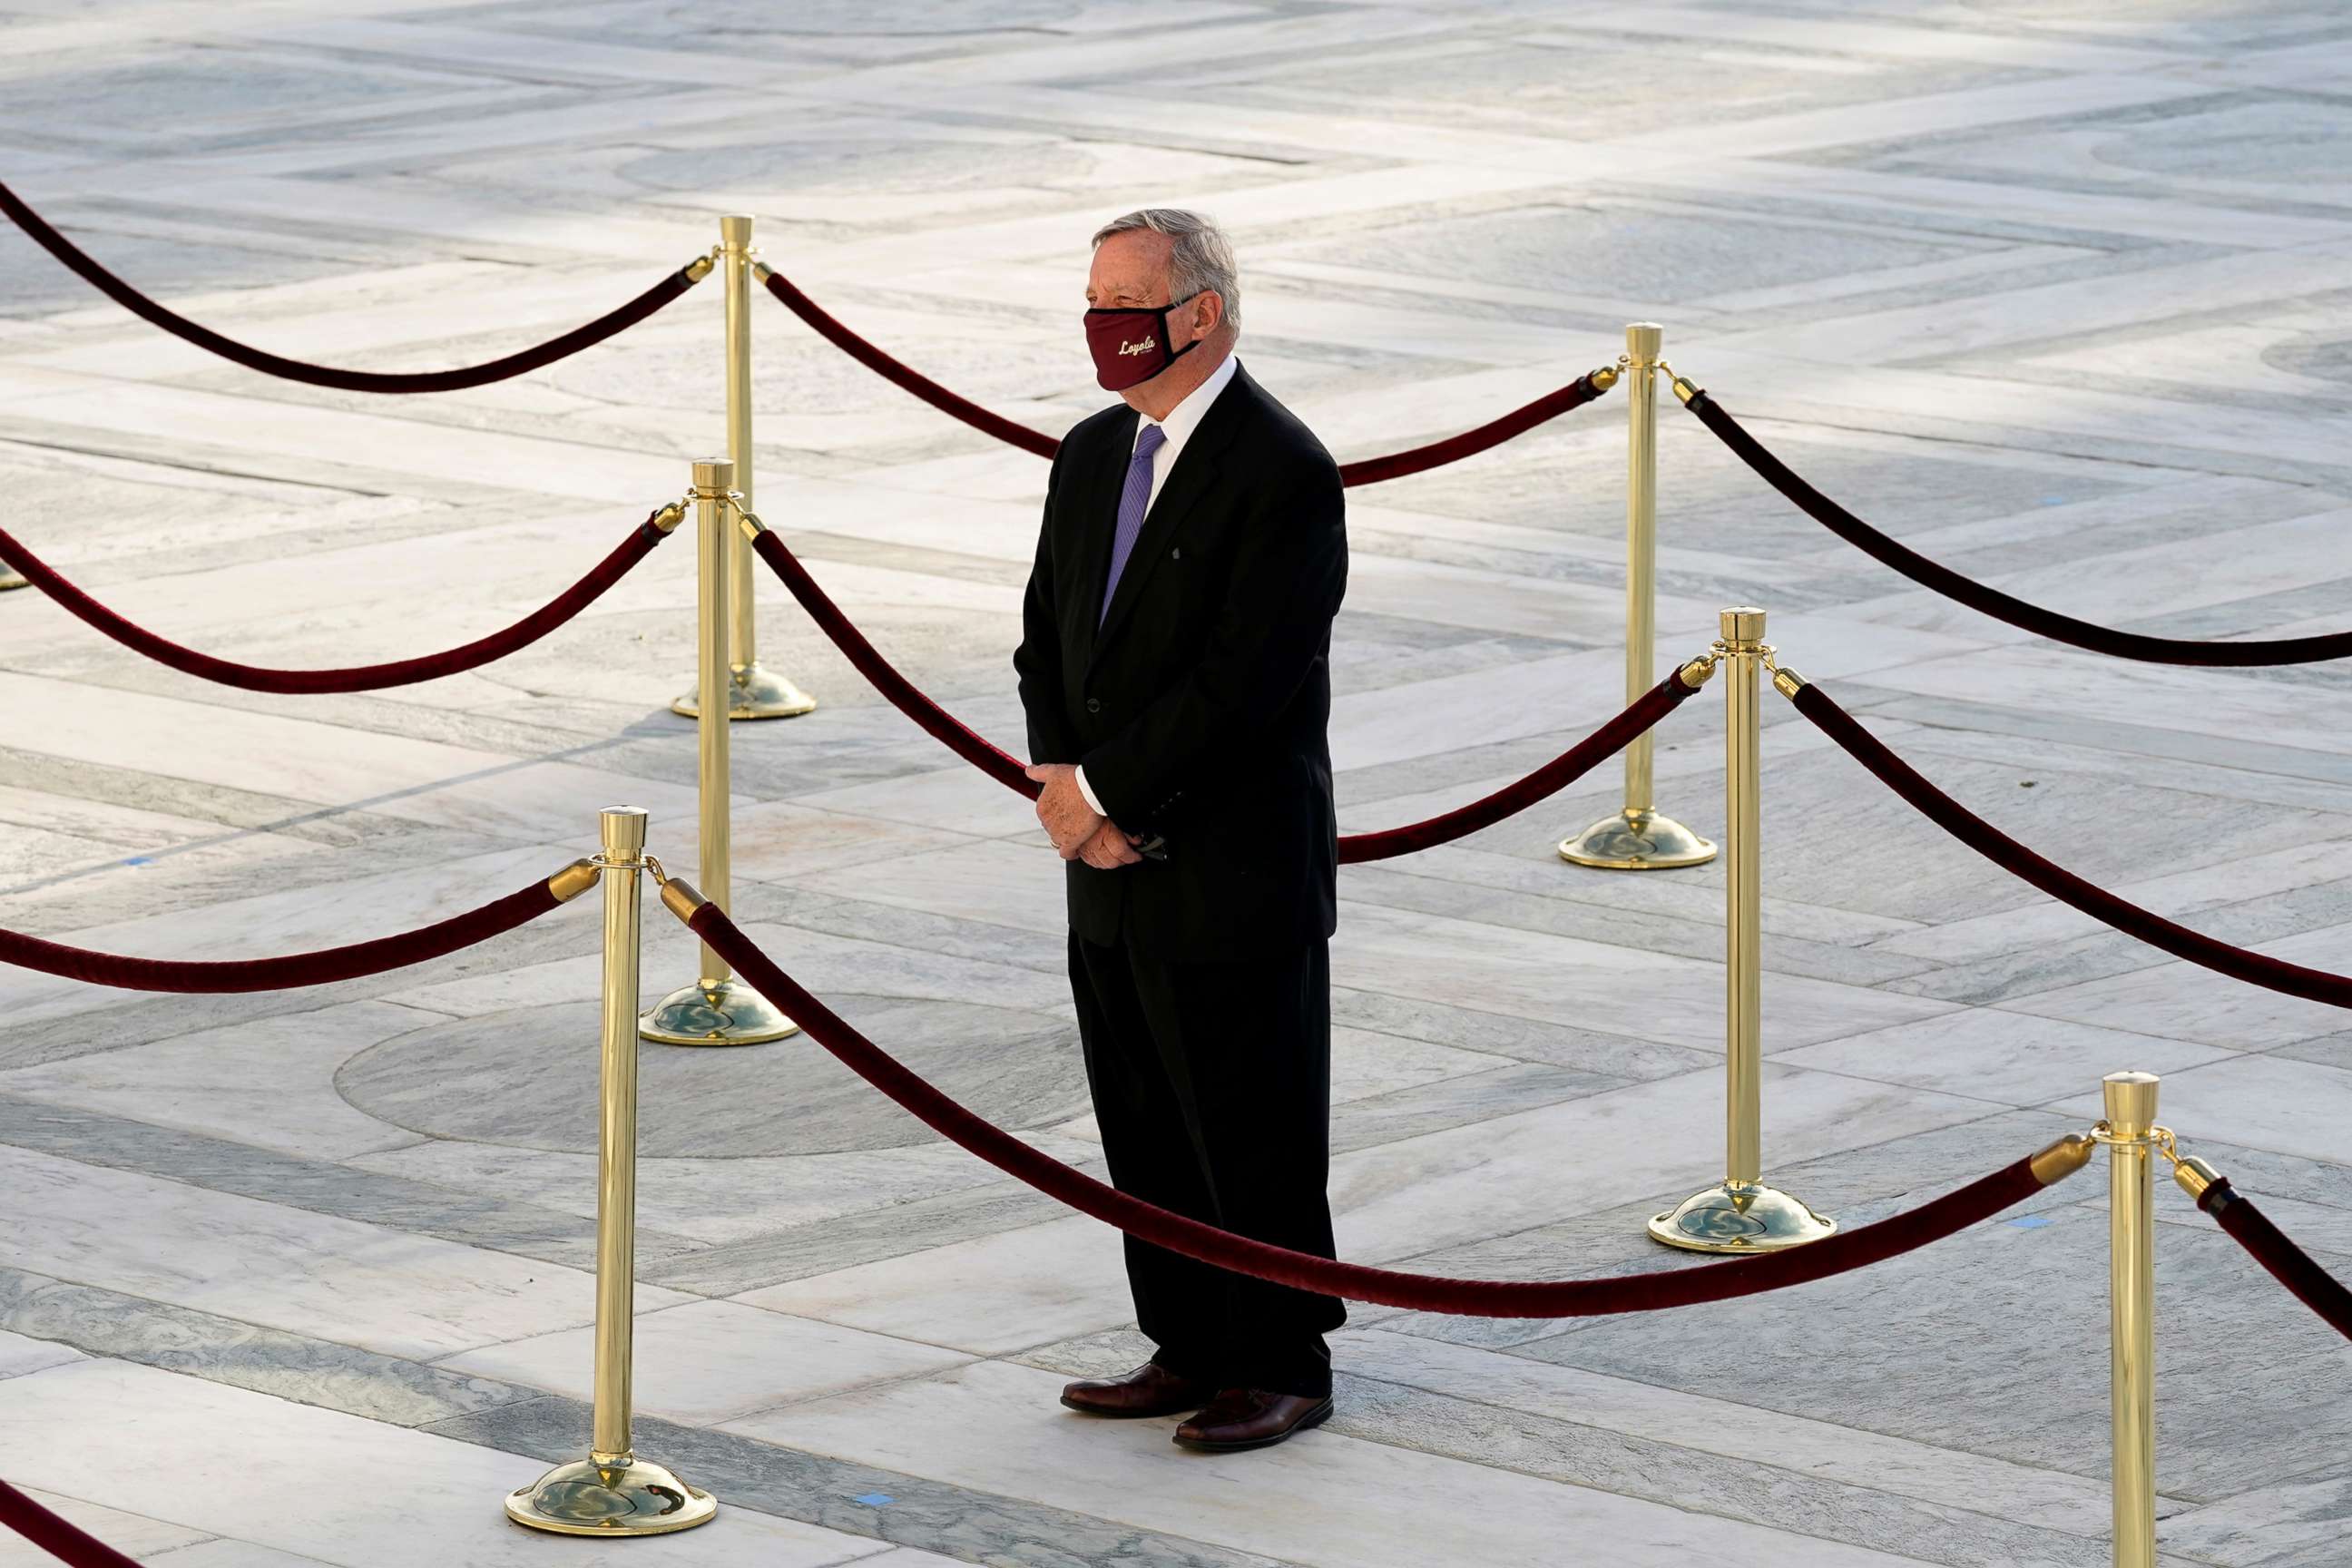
[[2056, 291]]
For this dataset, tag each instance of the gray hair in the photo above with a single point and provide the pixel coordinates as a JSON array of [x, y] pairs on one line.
[[1202, 257]]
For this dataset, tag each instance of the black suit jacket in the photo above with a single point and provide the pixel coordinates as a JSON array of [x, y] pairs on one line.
[[1201, 708]]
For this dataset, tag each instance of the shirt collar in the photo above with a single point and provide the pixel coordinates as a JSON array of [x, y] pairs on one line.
[[1186, 415]]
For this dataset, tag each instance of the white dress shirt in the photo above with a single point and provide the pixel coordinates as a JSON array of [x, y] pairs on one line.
[[1176, 429]]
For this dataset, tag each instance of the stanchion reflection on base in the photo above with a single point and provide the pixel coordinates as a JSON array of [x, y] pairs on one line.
[[753, 693]]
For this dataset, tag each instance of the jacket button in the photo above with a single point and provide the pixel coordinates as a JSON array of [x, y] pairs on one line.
[[1094, 705]]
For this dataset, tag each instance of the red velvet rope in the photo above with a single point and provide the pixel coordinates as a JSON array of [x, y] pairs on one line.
[[57, 1536], [363, 677], [2276, 974], [883, 676], [1009, 771], [2288, 1264], [1992, 602], [534, 358], [1637, 719], [1366, 471], [1837, 1254], [1471, 442], [905, 378], [213, 978]]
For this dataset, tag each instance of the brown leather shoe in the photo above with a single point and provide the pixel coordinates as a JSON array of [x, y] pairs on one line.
[[1251, 1418], [1149, 1389]]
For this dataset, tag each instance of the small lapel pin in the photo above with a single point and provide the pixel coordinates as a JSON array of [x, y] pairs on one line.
[[1177, 554]]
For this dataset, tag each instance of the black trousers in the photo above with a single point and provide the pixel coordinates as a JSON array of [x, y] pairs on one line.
[[1212, 1087]]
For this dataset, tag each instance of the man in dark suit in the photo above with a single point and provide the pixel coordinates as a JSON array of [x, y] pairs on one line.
[[1174, 667]]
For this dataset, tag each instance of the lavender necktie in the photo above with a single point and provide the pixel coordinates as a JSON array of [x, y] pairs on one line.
[[1133, 501]]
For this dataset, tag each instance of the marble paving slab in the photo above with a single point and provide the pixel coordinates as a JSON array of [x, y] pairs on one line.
[[127, 1532], [224, 1488], [1304, 1502], [198, 1081], [709, 1361], [264, 1260]]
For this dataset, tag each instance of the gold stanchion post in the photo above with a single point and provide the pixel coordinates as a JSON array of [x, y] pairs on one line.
[[717, 1009], [753, 693], [9, 579], [1638, 839], [1743, 1214], [613, 1491], [2130, 1134]]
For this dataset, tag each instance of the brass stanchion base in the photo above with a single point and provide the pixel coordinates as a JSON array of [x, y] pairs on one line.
[[753, 693], [628, 1496], [1740, 1216], [12, 580], [1637, 841], [728, 1013]]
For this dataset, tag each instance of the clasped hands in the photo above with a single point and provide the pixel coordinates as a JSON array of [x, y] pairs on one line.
[[1079, 832]]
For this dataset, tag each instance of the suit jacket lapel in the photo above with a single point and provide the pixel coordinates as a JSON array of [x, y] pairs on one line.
[[1096, 504], [1196, 468]]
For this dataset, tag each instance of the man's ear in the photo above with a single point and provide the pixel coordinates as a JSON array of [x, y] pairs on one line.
[[1208, 313]]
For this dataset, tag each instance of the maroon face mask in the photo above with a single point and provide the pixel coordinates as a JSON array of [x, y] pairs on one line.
[[1130, 347]]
